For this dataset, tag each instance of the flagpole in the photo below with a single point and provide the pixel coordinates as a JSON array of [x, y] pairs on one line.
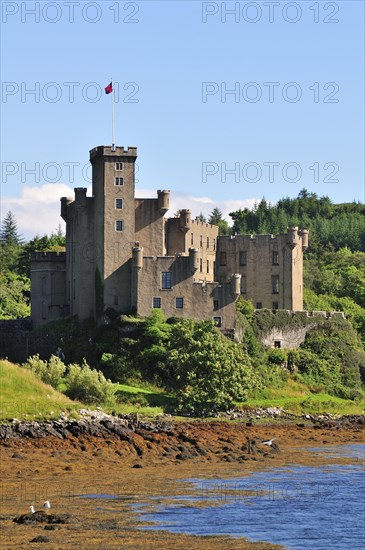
[[113, 125]]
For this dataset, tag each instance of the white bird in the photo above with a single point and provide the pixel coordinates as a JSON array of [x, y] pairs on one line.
[[268, 442], [46, 505], [31, 509]]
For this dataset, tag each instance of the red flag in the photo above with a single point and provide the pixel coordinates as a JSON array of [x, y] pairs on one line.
[[109, 89]]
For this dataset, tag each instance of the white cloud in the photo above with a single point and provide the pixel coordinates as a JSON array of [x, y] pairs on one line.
[[179, 200], [37, 211]]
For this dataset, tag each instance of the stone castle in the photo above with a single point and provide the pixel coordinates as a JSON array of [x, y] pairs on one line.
[[123, 253]]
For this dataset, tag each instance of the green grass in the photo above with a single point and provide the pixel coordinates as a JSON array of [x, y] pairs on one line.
[[145, 399], [297, 398], [25, 397]]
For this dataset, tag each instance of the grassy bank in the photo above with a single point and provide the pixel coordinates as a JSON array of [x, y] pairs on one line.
[[24, 396], [297, 398]]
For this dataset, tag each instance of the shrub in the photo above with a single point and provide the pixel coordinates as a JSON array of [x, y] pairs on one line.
[[208, 371], [88, 385], [50, 373], [277, 357]]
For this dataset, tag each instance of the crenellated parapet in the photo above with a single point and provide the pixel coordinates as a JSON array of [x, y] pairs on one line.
[[106, 150], [48, 257]]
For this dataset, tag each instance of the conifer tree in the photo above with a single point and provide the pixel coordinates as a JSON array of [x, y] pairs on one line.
[[9, 234]]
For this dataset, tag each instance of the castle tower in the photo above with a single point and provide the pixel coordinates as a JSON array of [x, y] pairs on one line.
[[113, 177]]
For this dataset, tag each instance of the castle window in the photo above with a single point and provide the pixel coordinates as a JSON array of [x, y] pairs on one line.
[[215, 304], [277, 344], [119, 166], [118, 181], [192, 239], [207, 242], [207, 266], [156, 302], [213, 244], [119, 225], [275, 305], [258, 305], [243, 285], [201, 241], [217, 321], [166, 279], [201, 265], [275, 258], [275, 284], [223, 258], [118, 204], [243, 257], [44, 310], [180, 303]]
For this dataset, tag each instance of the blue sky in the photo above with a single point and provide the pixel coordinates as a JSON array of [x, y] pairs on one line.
[[295, 119]]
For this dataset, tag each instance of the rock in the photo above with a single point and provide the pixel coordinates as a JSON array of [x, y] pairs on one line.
[[41, 517], [183, 456], [17, 455], [40, 538]]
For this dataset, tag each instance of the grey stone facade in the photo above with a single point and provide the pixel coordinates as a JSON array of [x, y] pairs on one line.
[[123, 253]]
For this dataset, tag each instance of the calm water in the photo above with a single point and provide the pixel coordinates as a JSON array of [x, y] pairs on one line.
[[298, 507]]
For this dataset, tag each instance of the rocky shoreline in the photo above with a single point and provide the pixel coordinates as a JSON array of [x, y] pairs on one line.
[[135, 460], [165, 438]]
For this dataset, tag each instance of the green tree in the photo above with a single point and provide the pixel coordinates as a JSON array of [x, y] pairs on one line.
[[14, 296], [208, 371], [9, 233], [216, 218], [10, 244]]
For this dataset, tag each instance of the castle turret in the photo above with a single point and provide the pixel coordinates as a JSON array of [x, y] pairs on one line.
[[163, 200], [236, 285], [113, 184], [137, 258], [293, 237], [65, 201], [304, 233], [194, 259], [185, 220]]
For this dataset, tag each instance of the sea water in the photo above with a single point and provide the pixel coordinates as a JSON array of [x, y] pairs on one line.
[[299, 507]]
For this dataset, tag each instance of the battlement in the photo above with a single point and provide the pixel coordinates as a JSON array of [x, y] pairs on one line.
[[199, 223], [306, 313], [106, 150], [48, 256]]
